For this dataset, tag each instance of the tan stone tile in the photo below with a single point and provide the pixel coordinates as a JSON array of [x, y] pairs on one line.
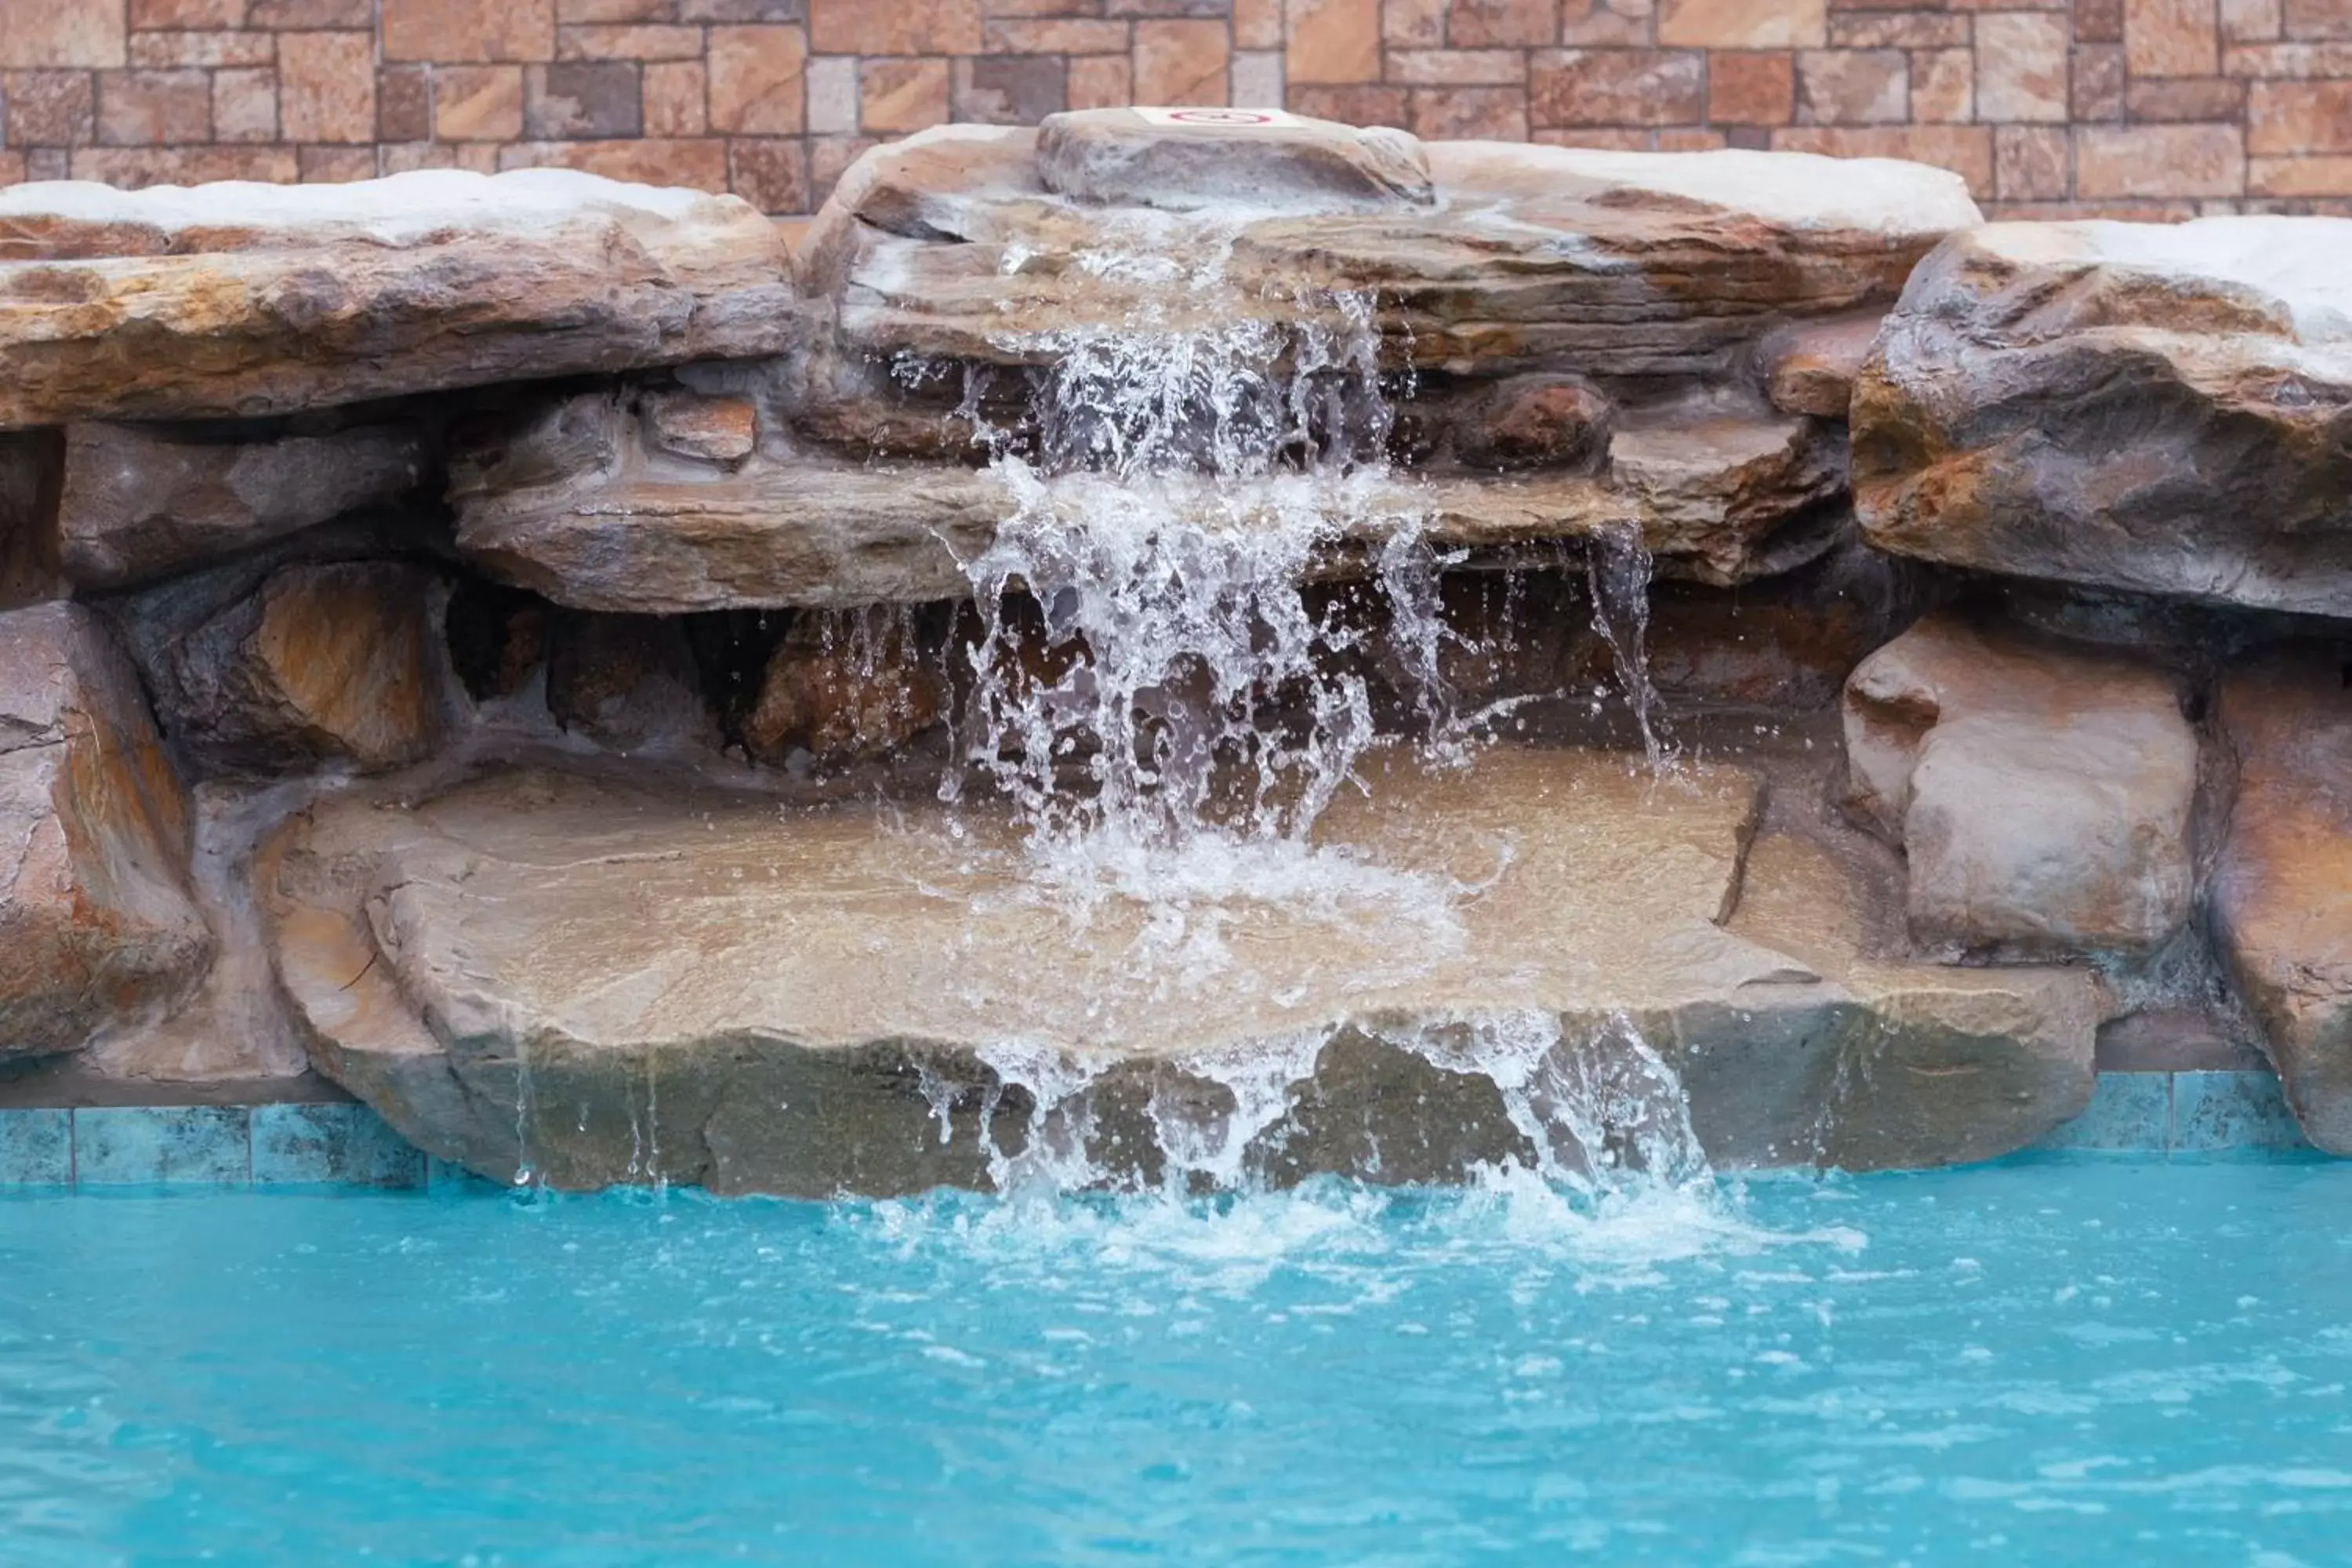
[[2031, 163], [1943, 86], [2022, 58], [1458, 67], [478, 157], [1355, 103], [1751, 88], [755, 79], [404, 103], [51, 109], [1257, 24], [1853, 87], [132, 168], [2098, 21], [1331, 40], [582, 100], [468, 31], [1744, 24], [45, 34], [1181, 61], [902, 95], [1486, 23], [2159, 161], [829, 85], [310, 15], [2097, 89], [478, 103], [1678, 139], [698, 162], [2287, 61], [245, 106], [1008, 90], [674, 99], [15, 169], [616, 11], [1469, 113], [1408, 24], [154, 108], [2285, 119], [1101, 82], [2318, 19], [185, 13], [895, 26], [643, 41], [1617, 86], [2251, 21], [1898, 30], [335, 166], [1257, 79], [2327, 176], [326, 87], [1603, 24], [2185, 98], [771, 172], [1966, 150], [2171, 37], [829, 159], [1055, 35], [168, 51]]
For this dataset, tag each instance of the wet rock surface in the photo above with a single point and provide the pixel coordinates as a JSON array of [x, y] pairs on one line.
[[2043, 795], [2163, 409], [1184, 160], [2282, 890], [560, 953], [99, 933]]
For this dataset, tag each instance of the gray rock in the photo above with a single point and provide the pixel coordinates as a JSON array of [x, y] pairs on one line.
[[627, 682], [2282, 886], [1535, 422], [820, 998], [172, 303], [98, 931], [2041, 794], [141, 501], [1185, 160], [30, 462], [2155, 407]]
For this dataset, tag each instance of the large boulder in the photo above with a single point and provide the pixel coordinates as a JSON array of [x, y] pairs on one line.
[[2282, 886], [139, 502], [2160, 408], [98, 931], [337, 662], [249, 300], [2043, 795], [597, 982]]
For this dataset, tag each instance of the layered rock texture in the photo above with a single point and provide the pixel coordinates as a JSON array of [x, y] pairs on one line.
[[633, 704]]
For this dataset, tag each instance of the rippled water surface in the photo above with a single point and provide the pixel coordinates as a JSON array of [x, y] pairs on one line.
[[2039, 1363]]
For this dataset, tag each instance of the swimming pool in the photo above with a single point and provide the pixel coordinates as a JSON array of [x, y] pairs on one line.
[[2049, 1360]]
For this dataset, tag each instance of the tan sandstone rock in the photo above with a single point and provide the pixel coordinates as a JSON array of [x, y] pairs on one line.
[[139, 502], [627, 682], [846, 684], [1187, 159], [853, 997], [248, 300], [98, 931], [2281, 888], [2154, 408], [2043, 795]]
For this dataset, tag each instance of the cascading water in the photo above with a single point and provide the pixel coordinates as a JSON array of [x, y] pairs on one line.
[[1158, 696]]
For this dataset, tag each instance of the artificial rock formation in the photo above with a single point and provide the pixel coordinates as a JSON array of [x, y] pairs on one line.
[[98, 931], [243, 301], [2164, 409], [2283, 890], [2042, 795], [656, 973]]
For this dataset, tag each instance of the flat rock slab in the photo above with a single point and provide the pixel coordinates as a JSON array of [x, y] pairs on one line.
[[2282, 886], [247, 299], [2164, 409], [952, 245], [1187, 159], [591, 978], [588, 505]]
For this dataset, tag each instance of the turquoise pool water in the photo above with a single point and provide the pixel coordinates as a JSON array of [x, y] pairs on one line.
[[2044, 1362]]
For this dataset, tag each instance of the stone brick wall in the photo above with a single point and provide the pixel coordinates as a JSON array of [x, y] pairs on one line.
[[2133, 107]]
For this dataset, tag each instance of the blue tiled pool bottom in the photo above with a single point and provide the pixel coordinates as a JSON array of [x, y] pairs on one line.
[[2054, 1361], [338, 1144]]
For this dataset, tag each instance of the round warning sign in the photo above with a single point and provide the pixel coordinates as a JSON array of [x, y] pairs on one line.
[[1223, 119]]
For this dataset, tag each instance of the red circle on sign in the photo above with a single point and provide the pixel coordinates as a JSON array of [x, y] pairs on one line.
[[1219, 116]]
